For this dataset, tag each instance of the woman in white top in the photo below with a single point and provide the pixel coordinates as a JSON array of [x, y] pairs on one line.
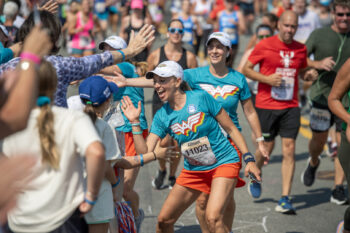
[[56, 137]]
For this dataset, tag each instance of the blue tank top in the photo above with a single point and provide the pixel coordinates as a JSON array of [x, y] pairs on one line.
[[188, 30], [226, 25]]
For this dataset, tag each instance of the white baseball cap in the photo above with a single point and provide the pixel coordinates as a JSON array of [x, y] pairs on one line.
[[222, 37], [167, 69], [115, 42]]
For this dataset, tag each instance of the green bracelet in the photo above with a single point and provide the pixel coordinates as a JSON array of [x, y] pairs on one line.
[[136, 132]]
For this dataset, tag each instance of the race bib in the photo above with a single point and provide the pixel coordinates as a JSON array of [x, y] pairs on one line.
[[84, 41], [231, 33], [320, 119], [198, 152]]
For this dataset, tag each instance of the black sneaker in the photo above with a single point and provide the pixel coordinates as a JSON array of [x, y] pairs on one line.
[[171, 181], [308, 175], [338, 195], [157, 182]]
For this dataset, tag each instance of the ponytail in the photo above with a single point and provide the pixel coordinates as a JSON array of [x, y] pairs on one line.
[[45, 122], [90, 111]]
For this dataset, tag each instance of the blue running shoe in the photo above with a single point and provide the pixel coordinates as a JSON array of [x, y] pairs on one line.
[[254, 189], [285, 206]]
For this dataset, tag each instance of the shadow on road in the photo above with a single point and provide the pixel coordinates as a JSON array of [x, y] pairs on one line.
[[187, 229]]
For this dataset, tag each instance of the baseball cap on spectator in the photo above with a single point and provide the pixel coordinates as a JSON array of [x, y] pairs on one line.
[[167, 69], [325, 2], [115, 42], [222, 37], [136, 4], [10, 10], [96, 90]]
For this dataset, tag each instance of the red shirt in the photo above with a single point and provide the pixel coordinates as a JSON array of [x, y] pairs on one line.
[[274, 56]]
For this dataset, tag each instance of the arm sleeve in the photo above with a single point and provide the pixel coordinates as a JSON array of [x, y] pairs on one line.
[[84, 132], [310, 43], [128, 70], [188, 77], [72, 68], [245, 92], [257, 54], [158, 126], [6, 54]]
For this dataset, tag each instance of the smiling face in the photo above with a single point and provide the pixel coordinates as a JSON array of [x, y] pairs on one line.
[[174, 32], [217, 52], [342, 18], [166, 87]]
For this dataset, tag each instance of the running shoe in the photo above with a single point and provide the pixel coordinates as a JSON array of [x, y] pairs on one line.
[[171, 181], [254, 189], [308, 175], [340, 227], [139, 220], [338, 195], [157, 182], [285, 206], [332, 149]]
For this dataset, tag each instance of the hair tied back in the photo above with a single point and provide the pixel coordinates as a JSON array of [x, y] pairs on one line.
[[43, 100]]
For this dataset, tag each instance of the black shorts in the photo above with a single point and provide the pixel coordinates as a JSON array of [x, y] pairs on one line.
[[74, 224], [285, 122], [247, 8], [321, 118]]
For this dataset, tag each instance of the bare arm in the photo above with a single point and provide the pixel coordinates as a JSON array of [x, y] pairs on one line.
[[95, 168], [225, 121], [241, 23], [253, 119], [326, 63], [191, 60], [21, 98], [123, 26], [273, 79], [110, 70], [340, 87]]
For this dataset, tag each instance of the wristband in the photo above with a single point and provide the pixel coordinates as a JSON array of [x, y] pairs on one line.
[[141, 160], [248, 157], [32, 57], [136, 132], [89, 202], [123, 54], [154, 154], [116, 184], [135, 124], [260, 139]]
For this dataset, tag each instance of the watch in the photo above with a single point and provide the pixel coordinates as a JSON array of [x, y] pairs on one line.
[[260, 139]]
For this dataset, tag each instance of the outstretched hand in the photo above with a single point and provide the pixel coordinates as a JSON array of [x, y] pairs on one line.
[[252, 168], [167, 153], [144, 38], [129, 109], [118, 79]]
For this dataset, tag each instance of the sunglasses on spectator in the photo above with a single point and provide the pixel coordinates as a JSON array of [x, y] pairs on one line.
[[342, 14], [176, 30], [263, 36]]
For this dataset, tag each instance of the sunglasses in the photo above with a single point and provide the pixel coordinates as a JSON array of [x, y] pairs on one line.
[[176, 30], [342, 14], [263, 36]]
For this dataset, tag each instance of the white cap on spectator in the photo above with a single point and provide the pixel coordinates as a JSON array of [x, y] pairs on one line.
[[10, 9], [222, 37], [167, 69], [115, 42]]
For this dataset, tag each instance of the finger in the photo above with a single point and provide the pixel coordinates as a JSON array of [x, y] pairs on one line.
[[144, 28]]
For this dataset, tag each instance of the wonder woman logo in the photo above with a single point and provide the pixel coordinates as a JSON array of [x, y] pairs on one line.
[[192, 123], [224, 91]]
